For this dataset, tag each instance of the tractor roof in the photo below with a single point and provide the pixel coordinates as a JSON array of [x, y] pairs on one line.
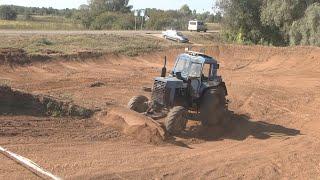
[[199, 57]]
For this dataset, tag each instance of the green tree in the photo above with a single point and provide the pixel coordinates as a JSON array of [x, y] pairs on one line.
[[306, 31], [203, 16], [85, 17], [84, 7], [161, 20], [101, 6], [27, 15], [8, 13], [282, 14], [185, 10], [241, 20], [271, 21], [113, 20], [218, 17]]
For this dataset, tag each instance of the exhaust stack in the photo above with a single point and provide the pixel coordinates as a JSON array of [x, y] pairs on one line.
[[164, 69]]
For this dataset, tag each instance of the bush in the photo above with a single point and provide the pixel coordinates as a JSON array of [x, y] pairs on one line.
[[116, 21], [306, 31], [7, 13], [84, 17], [272, 21], [44, 41], [117, 15], [242, 19], [160, 20], [103, 21]]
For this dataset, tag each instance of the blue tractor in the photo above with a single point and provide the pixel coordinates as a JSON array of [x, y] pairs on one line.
[[192, 89]]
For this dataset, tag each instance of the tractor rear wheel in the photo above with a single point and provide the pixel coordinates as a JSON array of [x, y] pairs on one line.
[[213, 108], [176, 120], [138, 104]]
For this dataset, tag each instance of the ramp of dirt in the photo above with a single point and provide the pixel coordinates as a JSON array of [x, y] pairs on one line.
[[18, 102], [133, 124], [13, 56]]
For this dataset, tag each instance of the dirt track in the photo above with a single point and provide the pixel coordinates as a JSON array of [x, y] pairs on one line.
[[274, 93]]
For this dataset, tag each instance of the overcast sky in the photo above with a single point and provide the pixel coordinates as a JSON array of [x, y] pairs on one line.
[[199, 5]]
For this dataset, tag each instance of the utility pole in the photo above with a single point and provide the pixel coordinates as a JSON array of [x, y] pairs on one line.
[[136, 14], [142, 19], [135, 23], [142, 14]]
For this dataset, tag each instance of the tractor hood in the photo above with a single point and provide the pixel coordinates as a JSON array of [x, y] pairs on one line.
[[164, 90], [171, 82]]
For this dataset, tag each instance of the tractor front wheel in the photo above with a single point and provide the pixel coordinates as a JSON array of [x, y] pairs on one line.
[[138, 104], [176, 120]]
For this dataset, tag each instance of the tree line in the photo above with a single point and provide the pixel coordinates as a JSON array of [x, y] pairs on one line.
[[110, 14], [272, 22], [10, 12], [268, 22]]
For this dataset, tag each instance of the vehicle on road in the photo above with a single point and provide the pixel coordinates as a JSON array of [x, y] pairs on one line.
[[197, 26], [175, 36], [192, 88]]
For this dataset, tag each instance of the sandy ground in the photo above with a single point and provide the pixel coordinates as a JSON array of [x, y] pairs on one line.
[[274, 93]]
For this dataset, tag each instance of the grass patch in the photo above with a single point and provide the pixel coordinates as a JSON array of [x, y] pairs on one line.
[[213, 26], [39, 25], [124, 44], [203, 38], [44, 41]]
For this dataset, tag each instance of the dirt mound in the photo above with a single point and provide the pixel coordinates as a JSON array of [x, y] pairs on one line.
[[13, 56], [18, 102], [133, 124]]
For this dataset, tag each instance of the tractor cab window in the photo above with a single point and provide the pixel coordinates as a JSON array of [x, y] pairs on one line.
[[182, 66], [195, 70], [209, 72], [206, 72], [214, 70]]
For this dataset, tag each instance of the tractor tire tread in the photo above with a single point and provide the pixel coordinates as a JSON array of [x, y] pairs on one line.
[[138, 104], [171, 124]]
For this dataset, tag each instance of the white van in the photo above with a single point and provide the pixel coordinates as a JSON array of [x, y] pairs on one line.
[[197, 26]]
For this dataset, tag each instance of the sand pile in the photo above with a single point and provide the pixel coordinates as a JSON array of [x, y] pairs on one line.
[[21, 103], [13, 56], [133, 124]]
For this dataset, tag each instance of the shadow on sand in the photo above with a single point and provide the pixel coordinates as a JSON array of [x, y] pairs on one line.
[[239, 128]]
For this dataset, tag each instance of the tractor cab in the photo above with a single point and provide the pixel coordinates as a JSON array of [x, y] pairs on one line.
[[197, 69], [194, 65]]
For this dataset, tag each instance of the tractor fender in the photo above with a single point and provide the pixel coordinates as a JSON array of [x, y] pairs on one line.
[[221, 85]]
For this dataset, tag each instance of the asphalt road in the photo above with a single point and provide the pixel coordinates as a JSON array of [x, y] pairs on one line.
[[77, 32]]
